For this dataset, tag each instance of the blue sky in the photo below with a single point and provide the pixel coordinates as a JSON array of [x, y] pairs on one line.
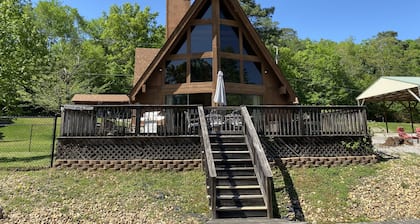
[[335, 20]]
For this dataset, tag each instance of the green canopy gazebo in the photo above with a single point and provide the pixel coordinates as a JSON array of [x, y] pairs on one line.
[[393, 89]]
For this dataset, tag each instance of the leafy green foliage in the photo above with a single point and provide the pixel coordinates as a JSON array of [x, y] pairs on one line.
[[49, 52], [22, 53]]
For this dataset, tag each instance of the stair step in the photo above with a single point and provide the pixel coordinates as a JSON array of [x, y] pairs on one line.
[[233, 163], [232, 169], [229, 147], [242, 154], [236, 180], [230, 152], [235, 177], [241, 211], [232, 160], [240, 208], [227, 136], [228, 143], [239, 197], [235, 171], [238, 187]]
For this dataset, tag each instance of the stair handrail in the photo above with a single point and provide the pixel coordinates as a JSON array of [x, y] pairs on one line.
[[208, 161], [259, 159]]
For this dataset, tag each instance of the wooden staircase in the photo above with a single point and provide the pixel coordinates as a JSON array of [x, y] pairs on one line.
[[238, 176], [238, 193]]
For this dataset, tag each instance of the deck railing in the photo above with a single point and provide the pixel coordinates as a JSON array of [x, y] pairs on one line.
[[164, 120], [224, 120], [259, 159], [129, 120], [309, 120], [208, 161]]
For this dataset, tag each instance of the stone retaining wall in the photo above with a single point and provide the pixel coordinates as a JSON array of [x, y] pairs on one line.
[[125, 165], [307, 162], [186, 165]]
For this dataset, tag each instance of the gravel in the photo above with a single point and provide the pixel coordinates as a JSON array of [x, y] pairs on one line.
[[379, 139], [394, 193]]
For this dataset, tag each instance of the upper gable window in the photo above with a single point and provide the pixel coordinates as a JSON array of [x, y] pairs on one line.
[[229, 39], [224, 12], [231, 70], [247, 49], [181, 48], [206, 12], [201, 70], [201, 38], [176, 72], [252, 73]]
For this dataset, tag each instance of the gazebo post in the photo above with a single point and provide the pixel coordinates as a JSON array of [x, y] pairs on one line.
[[411, 116]]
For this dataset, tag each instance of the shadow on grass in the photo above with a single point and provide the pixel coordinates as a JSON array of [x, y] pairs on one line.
[[23, 159], [291, 191], [383, 157], [4, 122]]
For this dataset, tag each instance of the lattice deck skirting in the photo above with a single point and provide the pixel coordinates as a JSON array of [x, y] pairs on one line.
[[307, 162], [125, 165], [317, 146], [135, 148]]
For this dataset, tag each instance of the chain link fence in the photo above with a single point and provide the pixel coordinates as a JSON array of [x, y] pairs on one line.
[[26, 142]]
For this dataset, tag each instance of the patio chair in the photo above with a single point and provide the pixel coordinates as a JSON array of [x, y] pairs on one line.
[[234, 119], [402, 134], [418, 134], [193, 121]]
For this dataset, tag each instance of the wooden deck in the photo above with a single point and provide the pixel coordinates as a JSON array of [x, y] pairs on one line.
[[164, 121], [235, 144]]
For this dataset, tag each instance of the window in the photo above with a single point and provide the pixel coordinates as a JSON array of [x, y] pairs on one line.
[[243, 99], [252, 73], [176, 72], [189, 99], [224, 13], [247, 49], [181, 48], [176, 99], [206, 13], [201, 70], [201, 38], [230, 68], [229, 39], [252, 100]]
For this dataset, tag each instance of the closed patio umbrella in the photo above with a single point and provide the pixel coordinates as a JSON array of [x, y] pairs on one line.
[[220, 94]]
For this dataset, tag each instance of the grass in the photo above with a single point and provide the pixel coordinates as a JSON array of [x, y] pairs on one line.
[[323, 193], [392, 126], [26, 142], [98, 197], [180, 197], [323, 189]]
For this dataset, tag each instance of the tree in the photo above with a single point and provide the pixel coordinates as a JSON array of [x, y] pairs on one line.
[[22, 53], [63, 27], [316, 74], [119, 33], [262, 20]]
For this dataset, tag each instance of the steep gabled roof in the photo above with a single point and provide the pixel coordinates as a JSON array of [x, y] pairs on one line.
[[236, 9]]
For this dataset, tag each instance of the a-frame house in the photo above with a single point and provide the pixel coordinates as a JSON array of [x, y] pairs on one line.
[[212, 36]]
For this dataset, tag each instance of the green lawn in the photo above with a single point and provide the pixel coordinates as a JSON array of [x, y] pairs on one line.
[[326, 195], [380, 127], [70, 196], [26, 143]]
